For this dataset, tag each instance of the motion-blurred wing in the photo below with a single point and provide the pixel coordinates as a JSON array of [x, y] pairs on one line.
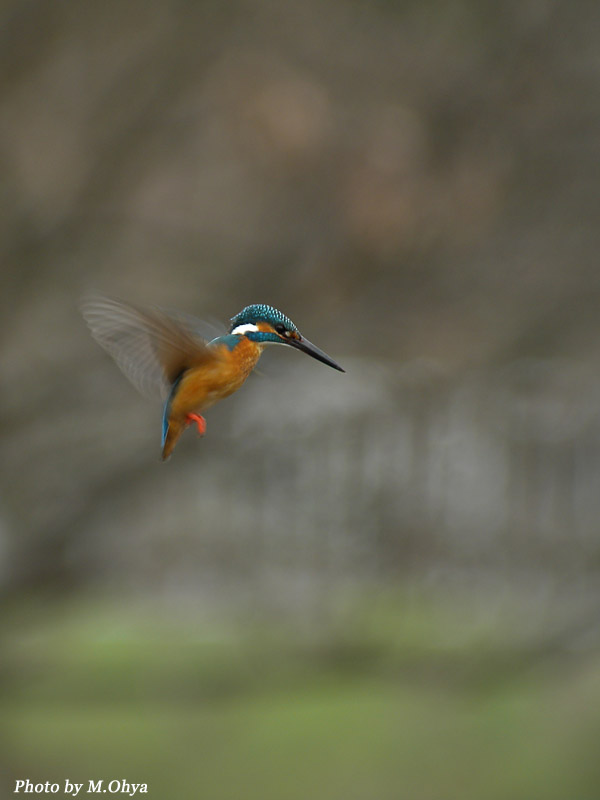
[[151, 347]]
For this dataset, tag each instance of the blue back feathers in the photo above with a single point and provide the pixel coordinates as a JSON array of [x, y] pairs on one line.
[[167, 407], [228, 340]]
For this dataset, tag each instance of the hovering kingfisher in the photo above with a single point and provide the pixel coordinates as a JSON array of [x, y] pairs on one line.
[[165, 351]]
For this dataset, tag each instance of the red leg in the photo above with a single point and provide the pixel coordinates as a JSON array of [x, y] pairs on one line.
[[200, 422]]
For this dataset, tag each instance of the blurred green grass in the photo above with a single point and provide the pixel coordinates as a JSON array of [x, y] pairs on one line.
[[387, 700]]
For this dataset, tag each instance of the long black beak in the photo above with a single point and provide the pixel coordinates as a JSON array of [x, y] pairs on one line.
[[310, 349]]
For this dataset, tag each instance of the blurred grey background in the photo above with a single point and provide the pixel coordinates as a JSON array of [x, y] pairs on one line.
[[416, 186]]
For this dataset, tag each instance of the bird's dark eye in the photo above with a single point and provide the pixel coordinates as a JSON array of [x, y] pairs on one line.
[[279, 328]]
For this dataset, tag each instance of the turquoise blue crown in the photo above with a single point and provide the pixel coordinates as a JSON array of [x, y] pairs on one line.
[[261, 313]]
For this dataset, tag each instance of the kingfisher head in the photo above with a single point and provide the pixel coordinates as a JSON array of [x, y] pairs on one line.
[[266, 325]]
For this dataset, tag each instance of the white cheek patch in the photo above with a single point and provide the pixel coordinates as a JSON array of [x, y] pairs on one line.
[[249, 327]]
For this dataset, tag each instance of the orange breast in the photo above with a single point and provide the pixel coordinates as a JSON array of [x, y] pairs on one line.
[[203, 386]]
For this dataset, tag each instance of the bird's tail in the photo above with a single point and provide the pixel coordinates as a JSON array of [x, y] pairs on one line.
[[174, 429]]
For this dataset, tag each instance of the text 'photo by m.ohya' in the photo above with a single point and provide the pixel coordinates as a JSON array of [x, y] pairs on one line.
[[72, 789]]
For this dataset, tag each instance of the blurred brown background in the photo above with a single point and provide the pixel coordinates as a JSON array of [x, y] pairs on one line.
[[379, 584]]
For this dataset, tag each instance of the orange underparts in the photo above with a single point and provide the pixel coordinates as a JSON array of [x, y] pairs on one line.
[[200, 422]]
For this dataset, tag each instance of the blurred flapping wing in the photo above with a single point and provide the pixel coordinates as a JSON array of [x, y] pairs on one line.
[[151, 347]]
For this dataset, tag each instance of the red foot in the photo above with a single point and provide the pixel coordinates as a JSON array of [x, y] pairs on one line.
[[200, 422]]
